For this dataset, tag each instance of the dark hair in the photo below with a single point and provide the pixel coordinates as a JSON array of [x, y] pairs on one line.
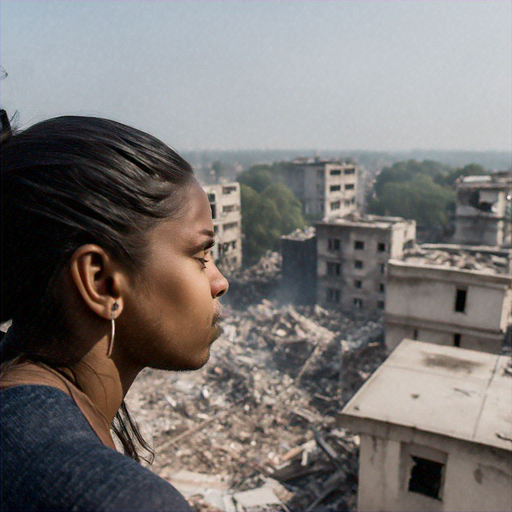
[[74, 180]]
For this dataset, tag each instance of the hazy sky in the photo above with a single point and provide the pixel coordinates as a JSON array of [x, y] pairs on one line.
[[382, 75]]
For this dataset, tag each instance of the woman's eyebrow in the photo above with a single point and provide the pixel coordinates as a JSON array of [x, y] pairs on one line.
[[205, 244]]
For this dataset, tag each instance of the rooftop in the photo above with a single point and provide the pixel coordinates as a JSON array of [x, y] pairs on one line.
[[363, 221], [487, 260], [496, 180], [301, 234], [455, 392]]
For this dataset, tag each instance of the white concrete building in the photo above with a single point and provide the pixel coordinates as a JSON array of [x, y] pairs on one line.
[[352, 255], [483, 210], [225, 203], [435, 430], [449, 295], [325, 188]]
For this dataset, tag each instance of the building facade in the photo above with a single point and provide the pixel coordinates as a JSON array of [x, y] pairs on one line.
[[325, 188], [434, 424], [352, 256], [225, 203], [483, 210], [450, 295], [298, 271]]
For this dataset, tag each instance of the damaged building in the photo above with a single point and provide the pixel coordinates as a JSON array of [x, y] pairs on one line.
[[450, 295], [324, 187], [352, 256], [483, 210], [435, 431], [225, 204], [298, 272]]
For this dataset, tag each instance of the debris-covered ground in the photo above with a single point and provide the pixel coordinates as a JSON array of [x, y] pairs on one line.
[[255, 429]]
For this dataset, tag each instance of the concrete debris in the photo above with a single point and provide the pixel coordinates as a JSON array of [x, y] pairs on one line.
[[458, 257], [263, 408]]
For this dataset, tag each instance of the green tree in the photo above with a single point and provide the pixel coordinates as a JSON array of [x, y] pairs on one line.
[[267, 216]]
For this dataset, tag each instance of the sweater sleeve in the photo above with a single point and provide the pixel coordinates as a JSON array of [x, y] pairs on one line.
[[52, 460]]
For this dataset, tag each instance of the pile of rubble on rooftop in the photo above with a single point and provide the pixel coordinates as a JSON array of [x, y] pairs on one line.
[[481, 261], [255, 428]]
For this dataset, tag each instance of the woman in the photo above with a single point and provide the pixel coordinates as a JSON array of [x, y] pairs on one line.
[[106, 270]]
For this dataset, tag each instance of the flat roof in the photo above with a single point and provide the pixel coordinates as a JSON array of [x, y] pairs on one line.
[[455, 392], [483, 261], [363, 221]]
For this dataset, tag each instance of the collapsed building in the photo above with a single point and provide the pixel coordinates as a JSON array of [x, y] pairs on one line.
[[324, 187], [225, 204], [435, 431], [483, 210], [352, 255], [450, 295]]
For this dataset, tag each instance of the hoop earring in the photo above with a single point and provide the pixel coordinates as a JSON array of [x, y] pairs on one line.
[[115, 307]]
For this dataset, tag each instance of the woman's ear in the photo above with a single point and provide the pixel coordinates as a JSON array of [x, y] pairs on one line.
[[98, 279]]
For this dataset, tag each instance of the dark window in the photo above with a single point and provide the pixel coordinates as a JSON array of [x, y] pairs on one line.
[[214, 211], [358, 303], [382, 288], [228, 190], [415, 334], [336, 205], [456, 340], [211, 198], [333, 295], [335, 172], [460, 300], [358, 245], [358, 264], [349, 186], [381, 247], [426, 477], [358, 284], [335, 188], [333, 269], [333, 244], [382, 268], [380, 304], [349, 171]]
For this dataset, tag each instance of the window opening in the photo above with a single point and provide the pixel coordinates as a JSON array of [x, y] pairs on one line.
[[358, 303], [358, 264], [380, 304], [349, 186], [426, 477], [456, 339], [381, 247], [460, 300], [335, 188], [415, 334], [334, 244], [358, 245], [333, 295], [382, 287], [333, 269], [358, 284]]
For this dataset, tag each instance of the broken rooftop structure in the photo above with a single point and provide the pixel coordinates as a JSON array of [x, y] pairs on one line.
[[225, 204], [483, 210], [450, 295], [352, 254], [324, 187], [435, 430]]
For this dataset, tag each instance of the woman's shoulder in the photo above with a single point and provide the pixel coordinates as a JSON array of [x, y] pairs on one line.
[[52, 459]]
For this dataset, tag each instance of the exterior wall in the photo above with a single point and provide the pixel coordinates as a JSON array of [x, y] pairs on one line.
[[298, 282], [357, 287], [315, 186], [225, 203], [422, 299], [474, 478]]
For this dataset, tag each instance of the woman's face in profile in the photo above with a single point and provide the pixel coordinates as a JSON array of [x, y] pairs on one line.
[[170, 314]]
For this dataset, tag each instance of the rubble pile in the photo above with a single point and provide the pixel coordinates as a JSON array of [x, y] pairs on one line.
[[259, 418], [485, 262], [251, 285]]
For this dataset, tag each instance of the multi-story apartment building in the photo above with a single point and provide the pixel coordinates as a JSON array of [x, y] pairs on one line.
[[434, 424], [483, 210], [352, 254], [227, 222], [325, 188], [450, 295]]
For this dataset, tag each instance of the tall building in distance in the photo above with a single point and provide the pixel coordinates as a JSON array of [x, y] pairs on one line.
[[225, 203], [352, 256], [325, 188], [450, 295], [483, 210]]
